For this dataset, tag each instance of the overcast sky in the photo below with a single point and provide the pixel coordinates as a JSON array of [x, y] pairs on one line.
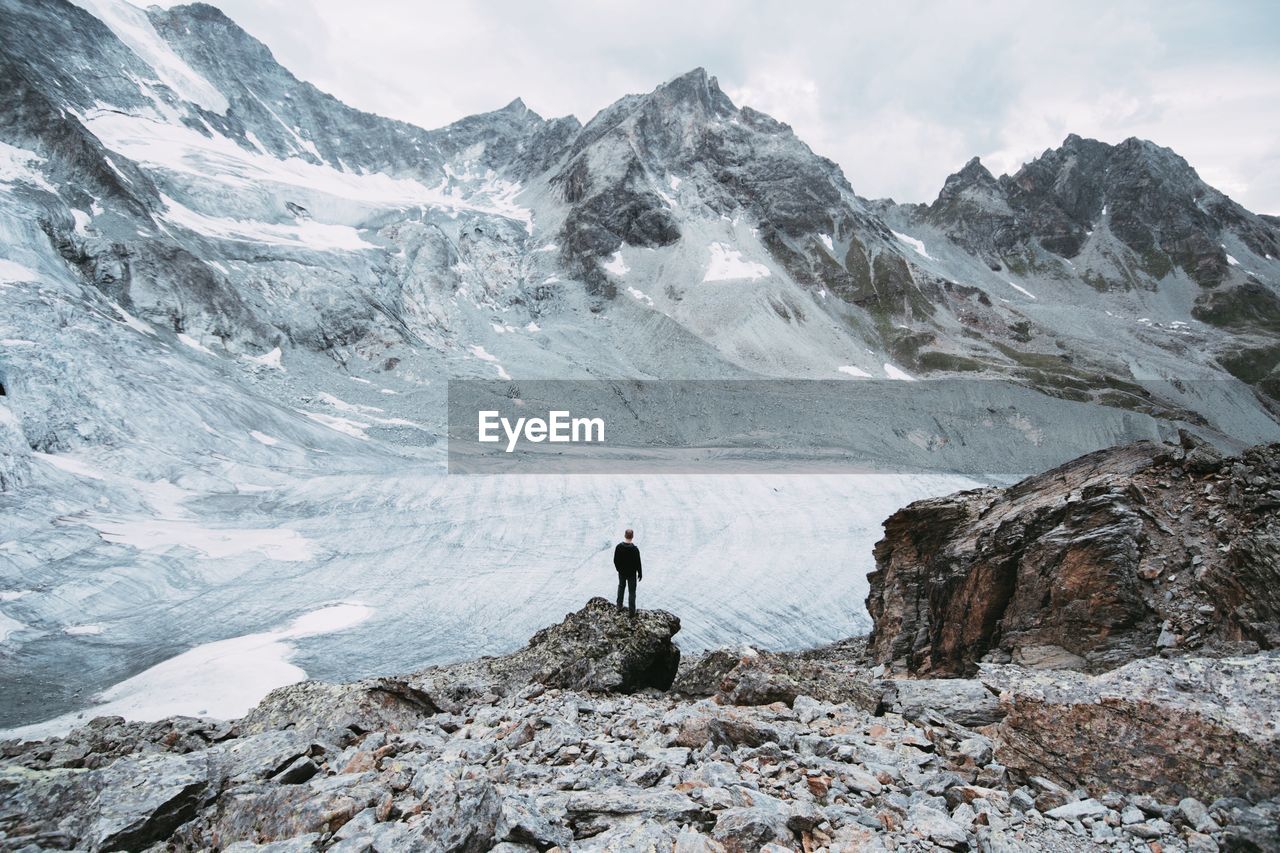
[[899, 94]]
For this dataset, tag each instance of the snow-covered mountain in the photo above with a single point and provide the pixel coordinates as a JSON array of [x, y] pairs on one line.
[[231, 304]]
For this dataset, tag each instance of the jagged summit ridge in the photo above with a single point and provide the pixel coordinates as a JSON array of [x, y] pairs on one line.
[[1147, 195]]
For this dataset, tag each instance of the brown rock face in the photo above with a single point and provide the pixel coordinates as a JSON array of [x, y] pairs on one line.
[[1188, 726], [1112, 557]]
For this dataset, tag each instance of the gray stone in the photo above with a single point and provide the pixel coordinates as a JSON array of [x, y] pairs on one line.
[[964, 700], [977, 749], [691, 840], [523, 821], [748, 828], [934, 825], [1077, 810], [1197, 816]]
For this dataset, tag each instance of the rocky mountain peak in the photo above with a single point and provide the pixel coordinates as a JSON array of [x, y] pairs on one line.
[[1125, 215], [204, 31], [973, 177], [694, 89], [975, 170], [518, 107]]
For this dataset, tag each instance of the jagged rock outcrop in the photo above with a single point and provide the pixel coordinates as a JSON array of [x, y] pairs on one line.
[[595, 649], [598, 648], [1184, 727], [1117, 555], [1145, 195]]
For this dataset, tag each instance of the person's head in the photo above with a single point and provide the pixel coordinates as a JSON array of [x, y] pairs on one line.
[[629, 535]]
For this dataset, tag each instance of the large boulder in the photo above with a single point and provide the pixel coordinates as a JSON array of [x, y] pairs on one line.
[[600, 648], [1172, 728], [596, 649], [1112, 557], [750, 676], [966, 701], [340, 711]]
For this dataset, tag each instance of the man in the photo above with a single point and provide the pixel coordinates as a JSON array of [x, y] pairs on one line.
[[626, 560]]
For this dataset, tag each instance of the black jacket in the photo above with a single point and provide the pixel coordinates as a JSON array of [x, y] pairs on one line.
[[626, 559]]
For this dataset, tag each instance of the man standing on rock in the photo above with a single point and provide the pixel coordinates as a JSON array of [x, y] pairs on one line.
[[626, 560]]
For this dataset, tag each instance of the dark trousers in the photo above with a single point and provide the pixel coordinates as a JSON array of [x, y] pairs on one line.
[[627, 582]]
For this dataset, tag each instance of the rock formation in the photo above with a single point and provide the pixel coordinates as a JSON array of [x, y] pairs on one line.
[[1115, 556], [750, 676], [1195, 727]]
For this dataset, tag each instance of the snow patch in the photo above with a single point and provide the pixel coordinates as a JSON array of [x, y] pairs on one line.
[[616, 265], [897, 373], [15, 272], [223, 679], [194, 344], [161, 534], [301, 232], [533, 327], [263, 438], [1020, 289], [484, 355], [346, 426], [70, 465], [854, 371], [640, 296], [918, 245], [133, 322], [826, 241], [82, 630], [271, 359], [727, 264], [9, 626], [16, 164], [343, 406]]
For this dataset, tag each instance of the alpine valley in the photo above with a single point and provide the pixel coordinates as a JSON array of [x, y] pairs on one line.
[[230, 307]]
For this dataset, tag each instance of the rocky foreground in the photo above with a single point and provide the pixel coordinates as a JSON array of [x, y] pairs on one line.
[[597, 736]]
